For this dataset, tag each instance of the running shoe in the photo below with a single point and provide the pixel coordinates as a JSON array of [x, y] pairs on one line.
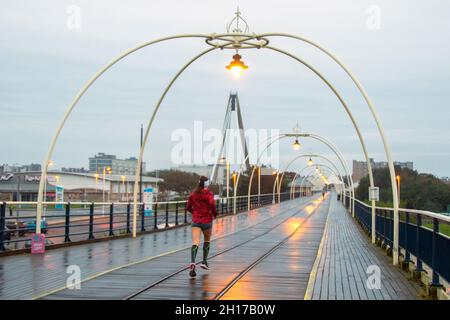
[[204, 265], [192, 272]]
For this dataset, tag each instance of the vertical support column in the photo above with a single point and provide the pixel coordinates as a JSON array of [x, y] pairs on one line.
[[176, 213], [67, 224], [2, 226], [185, 212], [155, 219], [167, 215], [91, 221], [111, 219], [407, 255], [128, 217], [384, 215], [435, 278], [419, 266], [142, 211]]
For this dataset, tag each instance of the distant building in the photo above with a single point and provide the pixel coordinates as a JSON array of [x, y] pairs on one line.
[[445, 180], [20, 168], [118, 166], [24, 186], [5, 168], [74, 170], [360, 169]]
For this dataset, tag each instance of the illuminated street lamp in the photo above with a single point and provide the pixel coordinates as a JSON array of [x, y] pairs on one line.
[[310, 162], [236, 66], [296, 145]]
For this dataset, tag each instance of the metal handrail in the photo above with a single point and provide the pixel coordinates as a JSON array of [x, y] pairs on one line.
[[117, 215], [440, 216], [116, 203]]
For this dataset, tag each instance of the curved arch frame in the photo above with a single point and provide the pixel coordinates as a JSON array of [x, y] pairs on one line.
[[328, 143], [322, 166], [253, 36], [294, 184], [303, 156], [311, 156]]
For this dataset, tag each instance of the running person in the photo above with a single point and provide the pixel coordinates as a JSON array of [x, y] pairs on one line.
[[203, 208]]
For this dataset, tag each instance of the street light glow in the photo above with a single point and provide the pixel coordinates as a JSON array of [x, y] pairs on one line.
[[296, 145], [310, 162], [236, 66]]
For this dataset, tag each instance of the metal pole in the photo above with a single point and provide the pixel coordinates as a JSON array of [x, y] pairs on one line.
[[2, 225], [91, 221], [228, 179], [140, 165], [67, 224], [259, 184]]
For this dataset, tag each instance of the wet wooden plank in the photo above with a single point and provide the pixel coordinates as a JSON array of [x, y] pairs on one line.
[[348, 254], [132, 278]]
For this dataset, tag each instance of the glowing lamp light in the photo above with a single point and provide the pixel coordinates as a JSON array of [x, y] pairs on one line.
[[296, 145], [310, 162], [236, 66]]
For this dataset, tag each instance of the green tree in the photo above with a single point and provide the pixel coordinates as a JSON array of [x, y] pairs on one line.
[[417, 190]]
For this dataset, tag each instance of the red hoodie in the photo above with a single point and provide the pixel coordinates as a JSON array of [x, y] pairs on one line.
[[202, 206]]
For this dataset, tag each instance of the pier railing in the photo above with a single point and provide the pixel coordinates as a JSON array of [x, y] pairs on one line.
[[67, 222], [424, 237]]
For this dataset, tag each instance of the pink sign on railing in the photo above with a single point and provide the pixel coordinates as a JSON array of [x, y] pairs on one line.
[[37, 243]]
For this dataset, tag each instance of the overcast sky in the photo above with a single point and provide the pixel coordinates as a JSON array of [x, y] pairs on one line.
[[402, 59]]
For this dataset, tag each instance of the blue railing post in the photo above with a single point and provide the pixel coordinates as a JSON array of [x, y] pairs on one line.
[[128, 217], [91, 221], [221, 206], [142, 211], [176, 213], [185, 212], [111, 219], [384, 228], [407, 257], [2, 226], [391, 232], [419, 266], [67, 224], [167, 215], [435, 277], [155, 221]]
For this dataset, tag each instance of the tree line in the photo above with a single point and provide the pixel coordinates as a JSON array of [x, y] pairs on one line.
[[419, 191]]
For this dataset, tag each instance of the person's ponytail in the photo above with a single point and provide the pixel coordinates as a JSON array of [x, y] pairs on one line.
[[201, 184]]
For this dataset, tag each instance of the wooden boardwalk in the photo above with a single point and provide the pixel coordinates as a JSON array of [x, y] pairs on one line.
[[306, 248], [229, 255], [28, 276], [285, 273], [342, 267]]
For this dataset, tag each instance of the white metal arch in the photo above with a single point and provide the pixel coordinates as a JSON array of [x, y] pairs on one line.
[[280, 181], [311, 156], [211, 38], [325, 141], [298, 173]]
